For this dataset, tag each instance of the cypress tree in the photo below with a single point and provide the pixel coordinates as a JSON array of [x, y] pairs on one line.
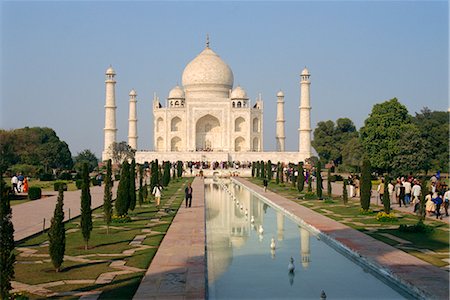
[[86, 212], [425, 192], [386, 200], [329, 182], [253, 169], [166, 176], [257, 170], [141, 187], [57, 233], [263, 170], [309, 183], [319, 181], [269, 170], [7, 257], [278, 173], [344, 192], [281, 174], [366, 185], [180, 169], [107, 197], [154, 174], [132, 197], [123, 190], [301, 177]]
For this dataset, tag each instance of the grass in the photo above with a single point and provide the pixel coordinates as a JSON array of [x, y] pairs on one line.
[[49, 185], [351, 215], [122, 287]]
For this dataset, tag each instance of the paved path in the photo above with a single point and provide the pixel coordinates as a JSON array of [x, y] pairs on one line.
[[178, 269], [28, 218], [422, 277]]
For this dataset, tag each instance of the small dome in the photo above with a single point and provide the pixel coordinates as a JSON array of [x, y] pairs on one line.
[[280, 94], [238, 93], [176, 93], [132, 92], [110, 71], [207, 69], [305, 71]]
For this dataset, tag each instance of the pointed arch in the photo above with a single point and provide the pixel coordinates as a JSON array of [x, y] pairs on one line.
[[159, 124], [160, 144], [175, 144], [255, 144], [175, 124], [256, 125], [239, 144], [239, 124]]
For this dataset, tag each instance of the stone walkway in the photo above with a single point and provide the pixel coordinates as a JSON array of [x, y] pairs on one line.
[[28, 218], [420, 277], [178, 269]]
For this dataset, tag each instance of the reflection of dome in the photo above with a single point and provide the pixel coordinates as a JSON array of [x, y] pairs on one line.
[[223, 257], [207, 69], [239, 93], [176, 93]]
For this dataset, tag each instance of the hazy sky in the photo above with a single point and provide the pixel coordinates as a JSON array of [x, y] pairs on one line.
[[54, 56]]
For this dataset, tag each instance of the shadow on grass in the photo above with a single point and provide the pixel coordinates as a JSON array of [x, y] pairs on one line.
[[77, 266]]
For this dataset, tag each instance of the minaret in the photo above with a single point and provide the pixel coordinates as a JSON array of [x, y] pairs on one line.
[[304, 138], [110, 129], [280, 122], [132, 121], [305, 251]]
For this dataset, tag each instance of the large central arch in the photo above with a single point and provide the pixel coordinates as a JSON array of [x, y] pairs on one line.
[[208, 134]]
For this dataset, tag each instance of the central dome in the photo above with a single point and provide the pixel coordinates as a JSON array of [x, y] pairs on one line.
[[207, 69]]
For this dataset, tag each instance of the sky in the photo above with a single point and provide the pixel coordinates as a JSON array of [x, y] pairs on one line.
[[54, 55]]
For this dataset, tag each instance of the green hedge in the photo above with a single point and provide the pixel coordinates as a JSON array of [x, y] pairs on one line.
[[65, 176], [34, 193], [57, 184], [46, 177], [78, 183]]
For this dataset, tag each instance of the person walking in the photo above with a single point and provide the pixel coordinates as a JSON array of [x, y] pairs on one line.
[[407, 186], [188, 195], [446, 201], [265, 183], [157, 193], [14, 182], [438, 202], [415, 192], [380, 190], [401, 195]]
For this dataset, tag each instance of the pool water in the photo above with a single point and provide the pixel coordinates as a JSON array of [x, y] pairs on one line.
[[242, 265]]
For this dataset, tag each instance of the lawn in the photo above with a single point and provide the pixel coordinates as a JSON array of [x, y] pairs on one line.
[[87, 265], [431, 247]]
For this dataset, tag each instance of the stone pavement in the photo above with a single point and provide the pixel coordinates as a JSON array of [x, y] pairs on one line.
[[28, 218], [178, 269], [421, 278]]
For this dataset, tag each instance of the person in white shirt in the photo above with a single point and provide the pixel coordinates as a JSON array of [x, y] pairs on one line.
[[407, 186], [14, 182], [157, 193], [415, 192], [391, 191]]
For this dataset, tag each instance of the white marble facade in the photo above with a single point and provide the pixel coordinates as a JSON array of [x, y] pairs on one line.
[[206, 118]]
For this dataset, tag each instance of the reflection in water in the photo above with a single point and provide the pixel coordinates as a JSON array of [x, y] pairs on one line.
[[238, 256]]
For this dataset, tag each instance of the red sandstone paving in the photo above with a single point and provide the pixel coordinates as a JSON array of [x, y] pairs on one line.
[[433, 281], [178, 268]]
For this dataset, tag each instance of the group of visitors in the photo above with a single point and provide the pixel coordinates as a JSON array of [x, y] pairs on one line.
[[19, 183], [407, 191]]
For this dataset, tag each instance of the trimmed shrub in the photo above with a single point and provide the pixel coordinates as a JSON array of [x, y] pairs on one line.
[[57, 184], [336, 177], [366, 184], [420, 227], [34, 193], [78, 183], [386, 217], [46, 177], [65, 176]]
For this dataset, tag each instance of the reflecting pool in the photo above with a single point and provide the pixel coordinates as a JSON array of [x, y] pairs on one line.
[[242, 265]]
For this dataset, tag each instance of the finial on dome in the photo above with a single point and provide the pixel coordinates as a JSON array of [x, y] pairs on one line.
[[207, 40]]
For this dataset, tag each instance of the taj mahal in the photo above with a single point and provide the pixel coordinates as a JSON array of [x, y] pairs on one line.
[[208, 119]]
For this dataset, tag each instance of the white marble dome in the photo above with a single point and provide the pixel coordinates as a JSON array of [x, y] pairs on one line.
[[110, 71], [176, 93], [238, 93], [207, 69]]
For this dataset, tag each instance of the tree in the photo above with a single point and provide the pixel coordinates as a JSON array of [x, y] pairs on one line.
[[107, 197], [8, 156], [123, 191], [309, 184], [381, 134], [269, 170], [352, 154], [386, 200], [277, 180], [141, 186], [154, 179], [344, 192], [366, 185], [263, 170], [301, 177], [7, 257], [132, 197], [329, 139], [86, 212], [57, 233], [319, 180], [433, 127], [253, 169], [88, 157], [179, 169], [166, 176], [329, 182], [121, 152]]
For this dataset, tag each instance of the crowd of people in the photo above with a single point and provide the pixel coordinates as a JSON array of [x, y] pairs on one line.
[[19, 183]]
